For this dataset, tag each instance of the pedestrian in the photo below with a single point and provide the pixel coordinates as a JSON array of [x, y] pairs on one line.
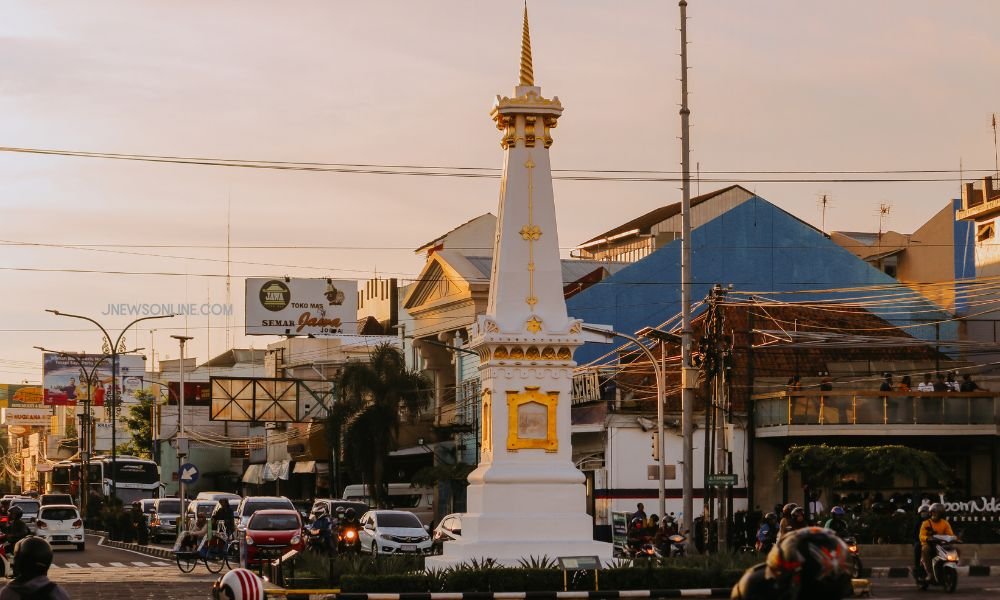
[[953, 385], [886, 382], [30, 566], [639, 513], [904, 384], [794, 384], [940, 385], [926, 385], [968, 385]]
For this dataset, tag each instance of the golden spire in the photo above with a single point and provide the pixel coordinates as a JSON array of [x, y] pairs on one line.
[[527, 74]]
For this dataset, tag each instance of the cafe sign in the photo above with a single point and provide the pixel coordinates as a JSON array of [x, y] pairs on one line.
[[300, 306], [982, 505]]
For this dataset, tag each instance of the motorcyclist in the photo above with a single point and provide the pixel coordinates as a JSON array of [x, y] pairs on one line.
[[16, 528], [785, 525], [936, 525], [223, 514], [795, 521], [349, 521], [238, 584], [322, 528], [767, 534], [636, 534], [838, 523], [30, 567], [807, 564], [923, 513]]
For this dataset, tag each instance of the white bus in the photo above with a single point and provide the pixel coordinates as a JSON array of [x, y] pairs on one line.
[[137, 478]]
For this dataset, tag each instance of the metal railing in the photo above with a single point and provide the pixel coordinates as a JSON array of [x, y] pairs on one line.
[[872, 407]]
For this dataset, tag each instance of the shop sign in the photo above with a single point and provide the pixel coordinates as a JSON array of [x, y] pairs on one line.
[[983, 505], [285, 306], [27, 417]]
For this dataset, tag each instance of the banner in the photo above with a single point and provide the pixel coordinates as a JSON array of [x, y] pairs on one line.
[[20, 396], [320, 307], [27, 417], [65, 380]]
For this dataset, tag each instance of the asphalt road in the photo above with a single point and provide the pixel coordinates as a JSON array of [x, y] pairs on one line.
[[969, 588]]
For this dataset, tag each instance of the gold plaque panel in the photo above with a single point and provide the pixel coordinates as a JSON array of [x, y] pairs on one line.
[[487, 421], [531, 420]]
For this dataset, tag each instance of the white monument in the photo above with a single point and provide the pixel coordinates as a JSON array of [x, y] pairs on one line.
[[526, 498]]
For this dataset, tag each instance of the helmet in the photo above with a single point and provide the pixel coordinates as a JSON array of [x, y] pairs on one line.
[[798, 511], [924, 508], [15, 513], [349, 513], [321, 511], [811, 563], [937, 510], [770, 517], [654, 519], [788, 508], [340, 510], [637, 523], [32, 557], [837, 511], [238, 584]]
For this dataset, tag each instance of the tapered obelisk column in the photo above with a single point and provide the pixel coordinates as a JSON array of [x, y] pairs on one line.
[[526, 498]]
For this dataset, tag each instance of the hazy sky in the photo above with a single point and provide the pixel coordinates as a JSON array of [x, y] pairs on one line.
[[777, 85]]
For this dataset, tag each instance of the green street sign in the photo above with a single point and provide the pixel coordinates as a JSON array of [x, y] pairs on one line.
[[721, 480]]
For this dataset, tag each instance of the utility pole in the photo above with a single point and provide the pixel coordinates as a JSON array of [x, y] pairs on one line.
[[689, 376], [717, 348], [182, 442]]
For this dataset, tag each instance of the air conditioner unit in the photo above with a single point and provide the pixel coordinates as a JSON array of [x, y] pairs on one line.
[[271, 425]]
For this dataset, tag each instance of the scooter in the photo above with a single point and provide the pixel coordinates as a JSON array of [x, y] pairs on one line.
[[316, 541], [348, 540], [855, 557], [677, 545], [944, 565]]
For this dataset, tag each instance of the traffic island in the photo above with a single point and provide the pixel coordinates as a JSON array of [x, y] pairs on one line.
[[141, 549]]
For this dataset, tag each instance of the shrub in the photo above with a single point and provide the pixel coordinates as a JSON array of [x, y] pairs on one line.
[[374, 584]]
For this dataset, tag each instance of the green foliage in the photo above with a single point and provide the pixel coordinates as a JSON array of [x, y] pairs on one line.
[[138, 419], [431, 476], [822, 465], [667, 578], [538, 562]]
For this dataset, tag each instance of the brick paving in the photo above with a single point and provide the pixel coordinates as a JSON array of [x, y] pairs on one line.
[[120, 583]]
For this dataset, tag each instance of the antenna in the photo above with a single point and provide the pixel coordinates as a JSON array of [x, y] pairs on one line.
[[824, 203], [996, 161], [883, 215], [229, 250]]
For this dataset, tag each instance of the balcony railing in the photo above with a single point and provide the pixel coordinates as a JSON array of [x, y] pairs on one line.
[[872, 407]]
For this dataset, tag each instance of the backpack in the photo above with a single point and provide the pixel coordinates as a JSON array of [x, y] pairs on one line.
[[42, 593]]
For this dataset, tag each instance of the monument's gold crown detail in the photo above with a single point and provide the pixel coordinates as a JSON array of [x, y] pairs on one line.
[[527, 73]]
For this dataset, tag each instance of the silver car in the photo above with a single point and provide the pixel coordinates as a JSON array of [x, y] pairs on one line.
[[29, 512], [164, 519]]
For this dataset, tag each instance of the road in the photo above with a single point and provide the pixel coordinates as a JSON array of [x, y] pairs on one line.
[[969, 588]]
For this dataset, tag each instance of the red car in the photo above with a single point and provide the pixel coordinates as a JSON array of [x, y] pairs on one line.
[[271, 533]]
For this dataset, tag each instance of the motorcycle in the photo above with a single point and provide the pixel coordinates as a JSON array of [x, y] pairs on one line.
[[5, 557], [678, 544], [944, 565], [855, 557], [348, 540], [316, 541]]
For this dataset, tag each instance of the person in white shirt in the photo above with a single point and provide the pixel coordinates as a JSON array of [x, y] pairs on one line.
[[926, 385]]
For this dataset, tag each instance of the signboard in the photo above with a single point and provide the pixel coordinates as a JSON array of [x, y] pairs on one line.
[[102, 436], [196, 393], [619, 530], [188, 473], [27, 417], [65, 383], [20, 396], [283, 306], [721, 480], [265, 399]]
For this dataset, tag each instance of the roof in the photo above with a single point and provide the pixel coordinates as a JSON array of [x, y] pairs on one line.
[[440, 239], [573, 270], [235, 356], [644, 223]]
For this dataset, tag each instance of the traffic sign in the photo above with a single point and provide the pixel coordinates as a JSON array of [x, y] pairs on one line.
[[189, 473], [721, 480]]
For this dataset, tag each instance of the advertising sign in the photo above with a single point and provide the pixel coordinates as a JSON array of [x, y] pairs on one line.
[[27, 417], [65, 383], [319, 307], [102, 436], [20, 396], [196, 393]]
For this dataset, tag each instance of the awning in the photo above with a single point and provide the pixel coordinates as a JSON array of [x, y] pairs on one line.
[[253, 475], [277, 469], [304, 466]]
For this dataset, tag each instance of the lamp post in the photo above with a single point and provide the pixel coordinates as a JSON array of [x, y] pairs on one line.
[[610, 333], [84, 437], [113, 352], [181, 438]]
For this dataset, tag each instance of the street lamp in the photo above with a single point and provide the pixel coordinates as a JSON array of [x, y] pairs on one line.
[[658, 370], [113, 352], [181, 438]]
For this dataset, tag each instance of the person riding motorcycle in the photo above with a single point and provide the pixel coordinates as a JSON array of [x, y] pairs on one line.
[[838, 523], [807, 564], [636, 534], [16, 528], [796, 521], [785, 525], [767, 534], [349, 521], [936, 525], [30, 566], [322, 529], [923, 513], [238, 584]]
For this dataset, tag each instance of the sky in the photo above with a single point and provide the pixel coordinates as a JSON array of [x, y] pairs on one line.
[[776, 85]]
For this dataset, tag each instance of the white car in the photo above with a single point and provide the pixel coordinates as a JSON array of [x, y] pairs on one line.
[[60, 524], [393, 532]]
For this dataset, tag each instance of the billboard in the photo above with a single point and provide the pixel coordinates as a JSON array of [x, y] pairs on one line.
[[196, 393], [27, 417], [20, 396], [65, 382], [284, 306]]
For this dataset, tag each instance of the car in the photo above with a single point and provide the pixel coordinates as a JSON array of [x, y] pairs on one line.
[[234, 499], [269, 534], [61, 524], [29, 511], [401, 496], [146, 505], [200, 507], [449, 529], [47, 499], [251, 504], [332, 505], [393, 532], [163, 520]]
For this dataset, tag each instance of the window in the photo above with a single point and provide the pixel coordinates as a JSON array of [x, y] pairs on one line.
[[271, 522], [399, 520], [59, 514], [985, 232]]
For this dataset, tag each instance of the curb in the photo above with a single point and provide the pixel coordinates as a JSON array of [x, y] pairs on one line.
[[608, 595], [147, 550], [905, 572]]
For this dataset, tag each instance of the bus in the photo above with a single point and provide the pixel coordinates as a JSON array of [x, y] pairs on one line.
[[137, 478]]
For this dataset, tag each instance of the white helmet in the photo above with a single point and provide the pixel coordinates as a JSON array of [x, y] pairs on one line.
[[238, 584]]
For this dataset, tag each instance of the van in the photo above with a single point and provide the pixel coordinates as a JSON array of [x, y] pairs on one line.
[[402, 496]]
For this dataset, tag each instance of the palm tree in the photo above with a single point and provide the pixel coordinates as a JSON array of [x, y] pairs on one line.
[[376, 397]]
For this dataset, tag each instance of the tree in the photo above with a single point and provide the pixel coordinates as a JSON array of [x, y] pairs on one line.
[[376, 397], [139, 420], [823, 466]]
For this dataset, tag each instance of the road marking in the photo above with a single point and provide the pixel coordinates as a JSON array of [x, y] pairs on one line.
[[162, 564], [139, 564], [72, 566], [117, 564], [94, 565]]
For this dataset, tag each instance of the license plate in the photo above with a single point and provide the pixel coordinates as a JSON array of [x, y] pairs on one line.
[[60, 538], [409, 547]]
